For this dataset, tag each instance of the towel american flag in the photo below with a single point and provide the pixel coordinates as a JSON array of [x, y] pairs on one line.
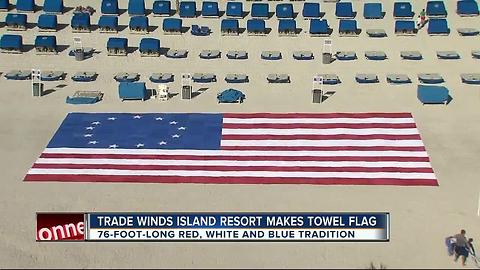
[[237, 148]]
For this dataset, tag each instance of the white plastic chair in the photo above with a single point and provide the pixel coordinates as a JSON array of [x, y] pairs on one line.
[[163, 92]]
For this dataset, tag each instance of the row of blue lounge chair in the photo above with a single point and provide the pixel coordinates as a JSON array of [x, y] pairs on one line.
[[140, 24], [260, 10], [151, 47], [328, 79]]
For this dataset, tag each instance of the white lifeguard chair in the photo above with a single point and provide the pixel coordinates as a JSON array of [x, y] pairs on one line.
[[327, 50], [187, 86], [37, 85], [163, 92], [78, 49], [317, 89]]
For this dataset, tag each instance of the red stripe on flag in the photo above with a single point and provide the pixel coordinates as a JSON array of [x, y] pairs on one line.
[[239, 158], [230, 168], [230, 180], [322, 137], [317, 115]]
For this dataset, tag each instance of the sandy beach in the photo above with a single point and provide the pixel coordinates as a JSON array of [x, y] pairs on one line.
[[421, 217]]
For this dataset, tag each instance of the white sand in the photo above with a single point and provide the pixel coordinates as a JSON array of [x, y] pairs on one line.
[[421, 217]]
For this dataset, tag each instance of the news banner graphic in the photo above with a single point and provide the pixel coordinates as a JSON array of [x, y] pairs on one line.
[[237, 148], [215, 227]]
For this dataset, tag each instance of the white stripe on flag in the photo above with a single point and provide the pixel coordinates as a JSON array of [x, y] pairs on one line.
[[234, 163], [232, 153], [195, 173]]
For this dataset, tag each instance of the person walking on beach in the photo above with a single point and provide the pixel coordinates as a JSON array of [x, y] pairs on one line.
[[461, 246], [422, 17], [419, 23]]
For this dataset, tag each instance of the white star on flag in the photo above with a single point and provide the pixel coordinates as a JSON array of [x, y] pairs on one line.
[[182, 128], [137, 117], [140, 145], [89, 128], [173, 123], [113, 146], [112, 118], [96, 123], [92, 142], [162, 143], [87, 135], [175, 136], [159, 118]]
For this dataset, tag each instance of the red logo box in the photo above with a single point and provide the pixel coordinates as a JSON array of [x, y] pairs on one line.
[[60, 226]]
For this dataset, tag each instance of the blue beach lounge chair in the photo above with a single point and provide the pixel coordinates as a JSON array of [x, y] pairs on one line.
[[366, 78], [271, 55], [398, 79], [162, 8], [438, 27], [402, 10], [85, 97], [467, 8], [430, 78], [138, 25], [210, 9], [287, 27], [230, 27], [16, 22], [126, 77], [18, 75], [234, 9], [136, 7], [45, 45], [411, 55], [260, 11], [108, 24], [405, 28], [53, 6], [372, 11], [81, 23], [188, 9], [348, 28], [149, 47], [237, 55], [161, 77], [375, 55], [344, 10], [11, 44], [470, 78], [117, 46], [284, 11], [436, 9], [4, 5], [319, 28], [110, 7], [26, 5], [346, 55], [236, 78], [172, 26], [256, 27], [47, 23], [84, 76], [311, 10]]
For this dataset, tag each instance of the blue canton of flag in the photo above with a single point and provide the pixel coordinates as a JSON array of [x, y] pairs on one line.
[[134, 131]]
